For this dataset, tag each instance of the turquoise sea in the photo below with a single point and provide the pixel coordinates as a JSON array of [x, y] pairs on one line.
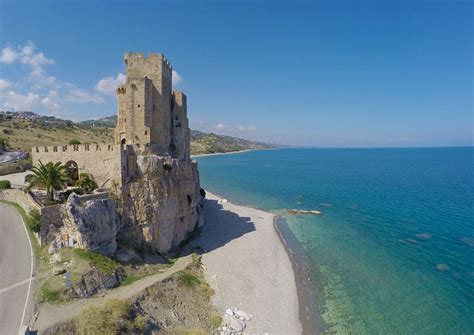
[[393, 251]]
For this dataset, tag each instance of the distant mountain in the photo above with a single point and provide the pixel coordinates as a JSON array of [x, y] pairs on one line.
[[109, 121], [22, 133], [213, 143]]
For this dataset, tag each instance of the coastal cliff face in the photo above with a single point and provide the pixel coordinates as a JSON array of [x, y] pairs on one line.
[[161, 201]]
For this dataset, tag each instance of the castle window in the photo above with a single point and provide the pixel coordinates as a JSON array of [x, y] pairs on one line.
[[146, 132], [138, 106], [190, 200]]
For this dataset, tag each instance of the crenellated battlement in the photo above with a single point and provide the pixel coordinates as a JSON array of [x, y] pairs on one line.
[[135, 58], [76, 148]]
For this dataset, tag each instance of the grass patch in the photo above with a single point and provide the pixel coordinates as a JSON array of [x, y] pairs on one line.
[[131, 278], [101, 262], [188, 278], [49, 294], [113, 317], [5, 184]]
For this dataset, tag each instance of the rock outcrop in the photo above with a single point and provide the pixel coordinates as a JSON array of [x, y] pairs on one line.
[[95, 281], [91, 224], [162, 200]]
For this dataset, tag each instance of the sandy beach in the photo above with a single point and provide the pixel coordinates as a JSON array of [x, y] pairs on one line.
[[225, 153], [247, 266]]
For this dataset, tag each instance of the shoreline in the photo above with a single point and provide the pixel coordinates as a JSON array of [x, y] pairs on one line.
[[309, 316], [291, 268], [224, 153], [249, 266]]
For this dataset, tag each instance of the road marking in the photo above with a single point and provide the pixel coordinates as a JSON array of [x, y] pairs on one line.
[[11, 287], [32, 257]]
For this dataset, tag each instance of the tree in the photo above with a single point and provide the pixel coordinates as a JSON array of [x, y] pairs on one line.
[[86, 182], [51, 176]]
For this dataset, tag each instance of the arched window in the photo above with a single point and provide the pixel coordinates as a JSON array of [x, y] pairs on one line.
[[123, 141], [72, 168]]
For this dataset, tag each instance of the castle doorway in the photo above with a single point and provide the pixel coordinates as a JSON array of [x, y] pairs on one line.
[[73, 170]]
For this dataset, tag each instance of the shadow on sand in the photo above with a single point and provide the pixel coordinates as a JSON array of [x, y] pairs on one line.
[[221, 226]]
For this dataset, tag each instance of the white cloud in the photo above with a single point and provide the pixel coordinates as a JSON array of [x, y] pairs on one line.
[[11, 99], [4, 84], [80, 96], [176, 78], [108, 85], [36, 60], [246, 128], [220, 126], [45, 91], [50, 104], [8, 55]]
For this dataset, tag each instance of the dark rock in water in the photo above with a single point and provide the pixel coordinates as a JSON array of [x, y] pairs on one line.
[[423, 236], [325, 204], [95, 281], [302, 211], [442, 267], [468, 240]]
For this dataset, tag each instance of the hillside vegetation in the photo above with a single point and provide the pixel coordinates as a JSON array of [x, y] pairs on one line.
[[22, 134]]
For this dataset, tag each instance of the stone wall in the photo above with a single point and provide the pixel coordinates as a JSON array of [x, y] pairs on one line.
[[103, 162], [23, 199]]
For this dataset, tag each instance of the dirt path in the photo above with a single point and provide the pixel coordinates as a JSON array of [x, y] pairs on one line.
[[52, 314]]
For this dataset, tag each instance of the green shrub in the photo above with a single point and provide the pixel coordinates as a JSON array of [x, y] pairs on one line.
[[5, 184], [101, 262], [189, 279], [35, 220], [216, 321], [86, 182], [74, 141], [111, 318]]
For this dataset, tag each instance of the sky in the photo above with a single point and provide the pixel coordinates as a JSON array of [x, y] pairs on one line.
[[304, 73]]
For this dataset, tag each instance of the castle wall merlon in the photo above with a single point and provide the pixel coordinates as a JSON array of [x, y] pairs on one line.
[[75, 148]]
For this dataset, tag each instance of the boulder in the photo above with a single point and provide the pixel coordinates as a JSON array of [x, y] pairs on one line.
[[95, 281], [58, 270], [234, 324], [92, 224], [55, 245]]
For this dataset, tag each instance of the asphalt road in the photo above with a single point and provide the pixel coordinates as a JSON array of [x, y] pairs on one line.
[[16, 267]]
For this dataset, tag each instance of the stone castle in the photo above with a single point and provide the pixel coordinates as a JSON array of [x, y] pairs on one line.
[[148, 169]]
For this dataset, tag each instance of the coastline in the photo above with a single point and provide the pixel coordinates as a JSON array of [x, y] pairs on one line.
[[248, 265], [224, 153], [310, 318]]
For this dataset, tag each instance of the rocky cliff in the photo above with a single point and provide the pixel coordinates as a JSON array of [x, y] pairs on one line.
[[91, 224], [161, 201]]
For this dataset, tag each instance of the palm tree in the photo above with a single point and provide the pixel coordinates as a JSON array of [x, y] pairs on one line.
[[51, 176]]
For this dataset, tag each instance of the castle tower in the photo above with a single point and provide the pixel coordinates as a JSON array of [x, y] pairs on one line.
[[144, 102]]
